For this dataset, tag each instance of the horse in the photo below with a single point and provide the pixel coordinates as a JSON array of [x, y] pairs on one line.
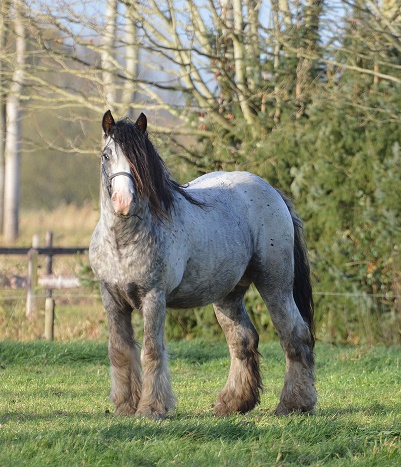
[[160, 244]]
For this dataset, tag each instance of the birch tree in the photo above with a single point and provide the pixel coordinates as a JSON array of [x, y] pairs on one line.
[[13, 130], [4, 13], [108, 52], [131, 64], [206, 63]]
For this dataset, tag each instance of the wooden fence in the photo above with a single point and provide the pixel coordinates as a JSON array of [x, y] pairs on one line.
[[48, 281]]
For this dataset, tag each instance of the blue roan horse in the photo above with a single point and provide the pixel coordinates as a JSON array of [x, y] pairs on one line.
[[159, 244]]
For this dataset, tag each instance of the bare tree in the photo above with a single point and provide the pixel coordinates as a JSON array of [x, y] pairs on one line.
[[193, 55], [223, 71], [209, 58]]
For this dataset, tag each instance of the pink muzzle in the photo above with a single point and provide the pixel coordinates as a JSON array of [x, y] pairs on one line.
[[121, 201]]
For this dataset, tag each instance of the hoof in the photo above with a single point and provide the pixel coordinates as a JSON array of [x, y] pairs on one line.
[[226, 406], [150, 414], [222, 410], [124, 409], [281, 410]]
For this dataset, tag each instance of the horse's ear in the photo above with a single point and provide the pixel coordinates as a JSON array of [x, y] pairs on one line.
[[142, 122], [108, 123]]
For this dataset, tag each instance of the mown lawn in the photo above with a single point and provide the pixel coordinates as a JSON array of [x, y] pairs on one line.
[[54, 410]]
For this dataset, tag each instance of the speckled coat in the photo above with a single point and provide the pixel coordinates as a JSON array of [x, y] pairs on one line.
[[242, 231]]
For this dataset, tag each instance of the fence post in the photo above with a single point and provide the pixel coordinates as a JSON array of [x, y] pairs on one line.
[[49, 260], [32, 280], [49, 303], [49, 318]]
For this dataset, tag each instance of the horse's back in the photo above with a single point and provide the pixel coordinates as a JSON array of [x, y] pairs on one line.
[[226, 180], [238, 185], [248, 197]]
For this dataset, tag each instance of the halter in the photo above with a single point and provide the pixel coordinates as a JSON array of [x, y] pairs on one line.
[[109, 179]]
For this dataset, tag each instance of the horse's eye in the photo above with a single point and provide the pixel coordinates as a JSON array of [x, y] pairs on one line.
[[105, 157]]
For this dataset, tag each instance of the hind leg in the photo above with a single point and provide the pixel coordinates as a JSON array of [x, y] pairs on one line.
[[125, 369], [299, 393], [242, 390]]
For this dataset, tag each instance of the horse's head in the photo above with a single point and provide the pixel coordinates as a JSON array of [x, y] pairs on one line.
[[134, 173], [116, 169]]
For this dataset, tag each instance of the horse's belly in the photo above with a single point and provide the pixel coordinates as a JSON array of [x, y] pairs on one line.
[[196, 298], [198, 289]]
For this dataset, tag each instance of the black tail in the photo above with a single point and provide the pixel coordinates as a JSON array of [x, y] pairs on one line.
[[302, 288]]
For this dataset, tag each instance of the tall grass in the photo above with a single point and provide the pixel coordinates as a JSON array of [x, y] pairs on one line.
[[76, 318], [71, 225]]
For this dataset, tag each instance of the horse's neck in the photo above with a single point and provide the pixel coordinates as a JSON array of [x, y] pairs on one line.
[[119, 230]]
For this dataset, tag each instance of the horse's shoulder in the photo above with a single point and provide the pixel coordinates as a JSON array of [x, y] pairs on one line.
[[95, 240]]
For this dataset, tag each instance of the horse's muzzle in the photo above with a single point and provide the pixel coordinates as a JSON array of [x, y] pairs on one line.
[[121, 201]]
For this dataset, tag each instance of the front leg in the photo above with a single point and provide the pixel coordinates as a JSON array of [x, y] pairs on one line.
[[157, 396], [125, 366]]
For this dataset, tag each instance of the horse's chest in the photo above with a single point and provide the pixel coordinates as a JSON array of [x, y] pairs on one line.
[[121, 271], [124, 282], [122, 267]]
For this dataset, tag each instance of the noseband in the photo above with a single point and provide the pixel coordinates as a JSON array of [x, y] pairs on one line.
[[109, 179]]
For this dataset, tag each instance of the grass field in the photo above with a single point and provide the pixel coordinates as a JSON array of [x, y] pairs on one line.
[[54, 410]]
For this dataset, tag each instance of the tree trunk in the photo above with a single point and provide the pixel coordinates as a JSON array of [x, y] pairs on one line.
[[131, 64], [107, 56], [239, 61], [13, 138], [4, 10]]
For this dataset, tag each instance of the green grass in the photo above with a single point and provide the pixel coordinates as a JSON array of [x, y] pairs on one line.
[[54, 410]]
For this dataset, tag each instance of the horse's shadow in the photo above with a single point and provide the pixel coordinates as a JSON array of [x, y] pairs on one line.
[[200, 428], [122, 428], [368, 410]]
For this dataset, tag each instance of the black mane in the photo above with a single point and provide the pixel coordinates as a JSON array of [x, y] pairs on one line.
[[152, 178]]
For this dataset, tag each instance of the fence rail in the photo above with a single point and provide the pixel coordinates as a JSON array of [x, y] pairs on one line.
[[48, 281], [48, 251]]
